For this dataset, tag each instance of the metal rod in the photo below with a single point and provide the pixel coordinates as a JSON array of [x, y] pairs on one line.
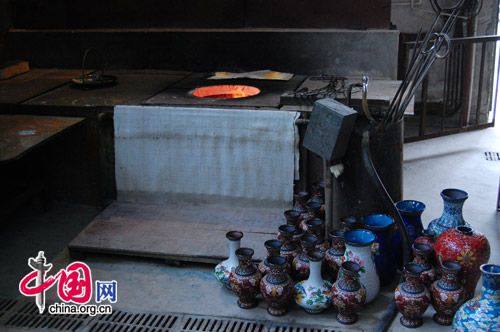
[[327, 178], [480, 87]]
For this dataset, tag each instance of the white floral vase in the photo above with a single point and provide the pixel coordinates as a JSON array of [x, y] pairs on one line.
[[223, 269], [314, 294], [359, 249]]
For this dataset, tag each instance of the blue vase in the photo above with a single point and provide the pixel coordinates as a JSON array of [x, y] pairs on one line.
[[411, 212], [452, 217], [383, 227], [483, 312]]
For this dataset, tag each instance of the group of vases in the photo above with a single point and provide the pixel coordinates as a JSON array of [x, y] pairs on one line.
[[361, 256], [460, 253]]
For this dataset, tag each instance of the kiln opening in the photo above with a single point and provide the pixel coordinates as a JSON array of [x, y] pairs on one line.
[[226, 91]]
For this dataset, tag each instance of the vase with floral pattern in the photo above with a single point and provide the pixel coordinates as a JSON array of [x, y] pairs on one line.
[[447, 293], [334, 256], [316, 227], [245, 279], [427, 237], [411, 213], [289, 249], [359, 249], [348, 294], [467, 246], [313, 211], [223, 269], [422, 255], [277, 287], [452, 217], [300, 264], [483, 312], [273, 248], [300, 200], [412, 297], [349, 223], [383, 227], [314, 294]]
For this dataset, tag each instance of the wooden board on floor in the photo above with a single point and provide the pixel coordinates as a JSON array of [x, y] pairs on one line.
[[194, 233]]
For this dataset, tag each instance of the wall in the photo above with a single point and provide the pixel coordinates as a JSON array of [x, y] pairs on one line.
[[5, 23]]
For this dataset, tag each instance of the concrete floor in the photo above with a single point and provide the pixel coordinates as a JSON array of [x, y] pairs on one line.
[[150, 285]]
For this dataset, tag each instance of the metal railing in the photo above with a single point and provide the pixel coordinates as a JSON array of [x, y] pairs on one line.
[[466, 81]]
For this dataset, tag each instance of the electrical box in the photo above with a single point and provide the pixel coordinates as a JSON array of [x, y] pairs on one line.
[[329, 129]]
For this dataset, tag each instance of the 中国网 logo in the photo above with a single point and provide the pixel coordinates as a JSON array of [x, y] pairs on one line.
[[74, 285]]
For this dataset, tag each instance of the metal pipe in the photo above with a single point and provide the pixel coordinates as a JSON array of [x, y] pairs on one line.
[[327, 178]]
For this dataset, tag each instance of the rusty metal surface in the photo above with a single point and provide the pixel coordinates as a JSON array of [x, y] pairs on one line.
[[269, 96], [21, 133], [33, 83], [130, 89]]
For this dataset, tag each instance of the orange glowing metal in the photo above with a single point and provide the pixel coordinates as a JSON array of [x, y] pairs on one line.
[[226, 91]]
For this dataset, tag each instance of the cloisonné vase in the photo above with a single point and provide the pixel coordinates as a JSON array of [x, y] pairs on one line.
[[223, 269], [318, 192], [483, 312], [383, 227], [427, 237], [316, 227], [334, 256], [412, 297], [300, 264], [273, 248], [348, 294], [448, 294], [313, 211], [291, 218], [453, 200], [422, 255], [300, 200], [349, 223], [314, 294], [411, 212], [276, 287], [467, 246], [245, 279], [289, 249], [359, 250]]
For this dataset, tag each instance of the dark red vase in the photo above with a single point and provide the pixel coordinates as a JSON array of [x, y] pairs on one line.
[[300, 199], [273, 249], [412, 297], [349, 223], [348, 294], [277, 287], [467, 246], [313, 211], [245, 279], [422, 255], [292, 219], [427, 237], [448, 294], [316, 227], [289, 249], [300, 265], [334, 255]]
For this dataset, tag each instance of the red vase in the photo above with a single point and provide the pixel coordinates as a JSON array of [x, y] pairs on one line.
[[427, 237], [412, 297], [467, 246], [316, 227], [300, 264], [245, 279], [448, 294], [313, 211], [273, 249], [289, 249], [277, 287], [348, 294], [334, 255], [422, 255]]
